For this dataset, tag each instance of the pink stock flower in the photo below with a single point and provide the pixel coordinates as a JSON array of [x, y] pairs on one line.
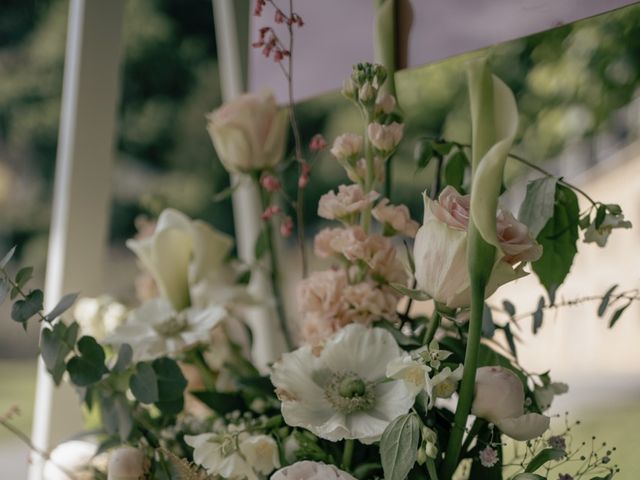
[[305, 174], [270, 183], [347, 145], [317, 143], [385, 137], [397, 217], [349, 201], [286, 227]]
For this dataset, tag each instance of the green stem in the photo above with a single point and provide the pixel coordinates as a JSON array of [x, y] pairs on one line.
[[274, 275], [432, 329], [365, 219], [347, 454], [473, 431], [431, 468], [481, 256]]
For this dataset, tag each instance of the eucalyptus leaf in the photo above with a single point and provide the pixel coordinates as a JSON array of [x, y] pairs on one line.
[[7, 258], [23, 276], [63, 305], [5, 288], [558, 239], [171, 385], [87, 367], [125, 355], [54, 349], [488, 327], [510, 340], [544, 456], [509, 307], [399, 446], [537, 207], [23, 310], [144, 383]]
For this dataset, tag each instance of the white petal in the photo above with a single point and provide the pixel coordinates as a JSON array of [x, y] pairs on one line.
[[525, 427]]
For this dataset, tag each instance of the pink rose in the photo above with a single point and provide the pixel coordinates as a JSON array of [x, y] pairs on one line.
[[349, 201], [440, 250]]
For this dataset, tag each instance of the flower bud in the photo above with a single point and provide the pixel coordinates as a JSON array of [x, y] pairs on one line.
[[349, 89], [126, 463], [367, 93], [385, 103], [499, 399]]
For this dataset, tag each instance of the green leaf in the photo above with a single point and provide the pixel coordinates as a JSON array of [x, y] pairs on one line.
[[221, 402], [262, 243], [63, 305], [7, 258], [601, 214], [546, 455], [55, 345], [400, 338], [604, 303], [441, 147], [23, 276], [423, 153], [125, 355], [455, 169], [23, 310], [558, 239], [538, 316], [88, 367], [418, 295], [613, 209], [528, 476], [171, 385], [617, 314], [537, 207], [399, 446], [144, 384]]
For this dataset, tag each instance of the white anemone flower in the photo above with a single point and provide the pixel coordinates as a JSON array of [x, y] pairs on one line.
[[601, 234], [235, 455], [342, 392], [157, 329], [307, 470]]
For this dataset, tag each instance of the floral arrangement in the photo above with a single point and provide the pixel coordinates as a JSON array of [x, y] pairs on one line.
[[364, 385]]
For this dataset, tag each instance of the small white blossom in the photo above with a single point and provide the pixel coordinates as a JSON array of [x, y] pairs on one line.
[[601, 234]]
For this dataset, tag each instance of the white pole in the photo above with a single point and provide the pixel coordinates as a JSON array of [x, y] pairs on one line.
[[268, 339], [82, 191]]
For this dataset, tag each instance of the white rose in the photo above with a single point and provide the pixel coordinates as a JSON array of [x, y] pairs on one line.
[[499, 398], [249, 132], [185, 256]]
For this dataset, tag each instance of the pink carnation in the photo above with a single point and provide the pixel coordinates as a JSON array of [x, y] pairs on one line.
[[349, 200]]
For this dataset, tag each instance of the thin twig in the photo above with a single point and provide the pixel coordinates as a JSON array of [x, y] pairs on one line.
[[23, 437]]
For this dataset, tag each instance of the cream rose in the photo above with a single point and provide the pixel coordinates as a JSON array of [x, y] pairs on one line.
[[440, 250], [249, 132], [499, 398]]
